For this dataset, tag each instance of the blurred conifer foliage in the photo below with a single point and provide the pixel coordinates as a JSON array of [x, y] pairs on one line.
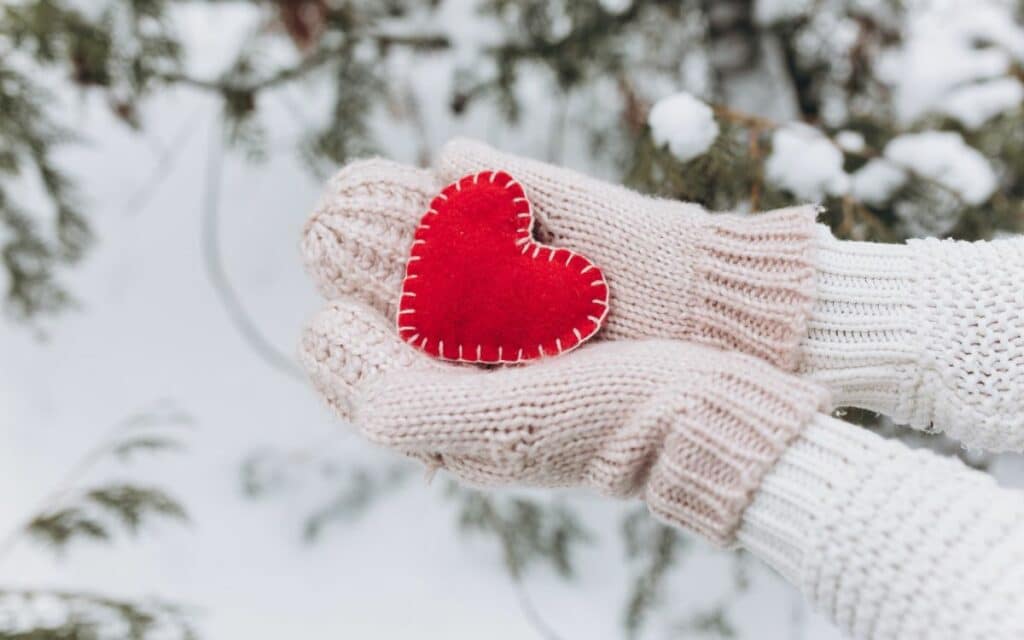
[[827, 100], [836, 62], [83, 510]]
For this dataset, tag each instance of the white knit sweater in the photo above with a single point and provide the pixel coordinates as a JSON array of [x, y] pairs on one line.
[[889, 542], [930, 333]]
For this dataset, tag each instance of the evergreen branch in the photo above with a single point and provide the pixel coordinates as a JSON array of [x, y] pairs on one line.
[[353, 499], [132, 504], [757, 181], [749, 120], [68, 513], [92, 513], [532, 615], [762, 124], [312, 62], [714, 620], [148, 444], [57, 528], [55, 614], [527, 533], [657, 547], [28, 137]]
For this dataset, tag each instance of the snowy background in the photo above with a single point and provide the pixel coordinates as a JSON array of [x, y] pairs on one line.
[[153, 335]]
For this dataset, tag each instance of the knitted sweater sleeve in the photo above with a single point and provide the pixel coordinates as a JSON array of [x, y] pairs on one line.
[[889, 542], [930, 333]]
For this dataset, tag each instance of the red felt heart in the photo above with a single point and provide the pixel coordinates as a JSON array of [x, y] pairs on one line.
[[478, 288]]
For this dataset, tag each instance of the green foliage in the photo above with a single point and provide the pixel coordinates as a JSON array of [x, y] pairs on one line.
[[119, 49], [129, 447], [727, 178], [351, 490], [528, 532], [352, 499], [714, 623], [27, 614], [719, 179], [127, 50], [656, 548], [28, 138], [96, 514], [655, 551], [346, 135]]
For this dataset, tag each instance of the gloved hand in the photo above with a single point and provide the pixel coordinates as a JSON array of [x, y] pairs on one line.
[[689, 429], [742, 283], [880, 538], [882, 327]]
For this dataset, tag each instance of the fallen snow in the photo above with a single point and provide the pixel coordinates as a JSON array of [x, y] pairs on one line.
[[974, 105], [877, 181], [943, 156], [616, 6], [954, 44], [768, 12], [685, 124], [851, 141], [151, 326], [806, 163]]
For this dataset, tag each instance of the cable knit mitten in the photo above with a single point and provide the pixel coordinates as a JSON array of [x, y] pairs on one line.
[[742, 283], [930, 333], [689, 429]]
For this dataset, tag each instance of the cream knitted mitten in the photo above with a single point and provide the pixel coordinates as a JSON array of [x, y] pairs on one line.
[[743, 283], [887, 542], [689, 429], [930, 333]]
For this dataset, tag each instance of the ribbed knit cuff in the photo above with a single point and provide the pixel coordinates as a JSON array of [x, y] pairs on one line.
[[862, 338], [754, 283], [735, 425], [826, 459]]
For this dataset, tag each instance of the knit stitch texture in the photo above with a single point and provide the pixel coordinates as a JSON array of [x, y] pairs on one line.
[[887, 542], [931, 334], [891, 543], [689, 429], [357, 240], [742, 283]]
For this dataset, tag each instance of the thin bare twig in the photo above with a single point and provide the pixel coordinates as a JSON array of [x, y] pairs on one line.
[[309, 63], [531, 614], [754, 149], [413, 112], [166, 162], [107, 444], [214, 264], [556, 141]]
